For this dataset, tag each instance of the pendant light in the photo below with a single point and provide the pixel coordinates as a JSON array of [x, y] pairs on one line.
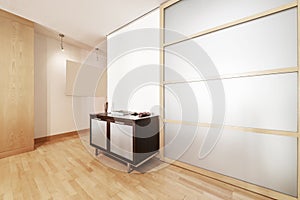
[[61, 41]]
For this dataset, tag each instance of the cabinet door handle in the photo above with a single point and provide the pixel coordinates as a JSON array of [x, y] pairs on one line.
[[121, 123]]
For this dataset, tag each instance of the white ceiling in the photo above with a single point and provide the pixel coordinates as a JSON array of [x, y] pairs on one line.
[[87, 21]]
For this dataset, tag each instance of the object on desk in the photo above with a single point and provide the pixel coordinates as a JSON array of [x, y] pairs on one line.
[[105, 107], [134, 113], [144, 114]]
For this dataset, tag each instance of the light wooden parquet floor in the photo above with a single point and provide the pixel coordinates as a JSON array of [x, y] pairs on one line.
[[65, 170]]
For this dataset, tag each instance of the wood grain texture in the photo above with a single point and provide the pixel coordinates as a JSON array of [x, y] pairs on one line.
[[58, 137], [233, 181], [16, 84], [298, 61], [7, 15], [15, 151], [65, 170], [162, 90]]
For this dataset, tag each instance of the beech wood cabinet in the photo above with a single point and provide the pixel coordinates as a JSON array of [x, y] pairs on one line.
[[16, 85]]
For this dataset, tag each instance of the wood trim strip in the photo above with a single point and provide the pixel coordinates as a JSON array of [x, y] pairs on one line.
[[237, 22], [162, 75], [57, 137], [168, 4], [233, 181], [239, 128], [134, 20], [298, 61], [241, 75], [16, 151]]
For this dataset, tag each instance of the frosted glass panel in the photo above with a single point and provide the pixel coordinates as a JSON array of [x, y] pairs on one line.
[[192, 16], [186, 61], [268, 102], [99, 133], [188, 102], [263, 44], [265, 160], [121, 139]]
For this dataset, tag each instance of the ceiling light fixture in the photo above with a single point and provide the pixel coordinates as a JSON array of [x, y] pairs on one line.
[[61, 41], [97, 53]]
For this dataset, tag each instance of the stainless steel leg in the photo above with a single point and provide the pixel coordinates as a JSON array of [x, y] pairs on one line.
[[97, 152], [129, 168]]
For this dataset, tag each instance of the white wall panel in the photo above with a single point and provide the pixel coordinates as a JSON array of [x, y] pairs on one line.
[[265, 160], [191, 16], [264, 44], [56, 113], [133, 65], [268, 102]]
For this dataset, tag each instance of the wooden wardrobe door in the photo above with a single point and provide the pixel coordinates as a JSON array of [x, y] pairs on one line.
[[16, 85]]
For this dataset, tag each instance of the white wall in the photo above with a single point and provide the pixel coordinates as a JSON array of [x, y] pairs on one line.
[[53, 109], [133, 65]]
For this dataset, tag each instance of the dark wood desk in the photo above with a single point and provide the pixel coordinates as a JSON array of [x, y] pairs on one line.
[[131, 139]]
